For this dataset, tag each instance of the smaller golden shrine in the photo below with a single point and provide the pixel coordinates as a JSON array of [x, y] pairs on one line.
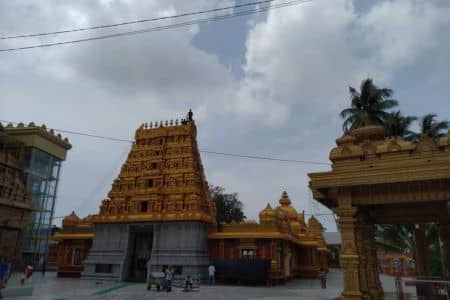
[[75, 241], [294, 248]]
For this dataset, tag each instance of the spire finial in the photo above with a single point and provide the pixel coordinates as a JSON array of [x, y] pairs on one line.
[[190, 115], [285, 201]]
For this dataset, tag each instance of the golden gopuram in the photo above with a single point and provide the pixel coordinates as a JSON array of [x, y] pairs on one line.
[[159, 212], [378, 180]]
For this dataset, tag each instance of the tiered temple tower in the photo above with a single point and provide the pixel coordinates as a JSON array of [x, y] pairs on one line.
[[159, 208]]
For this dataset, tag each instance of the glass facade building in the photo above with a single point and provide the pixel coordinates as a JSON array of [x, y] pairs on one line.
[[42, 175], [43, 154]]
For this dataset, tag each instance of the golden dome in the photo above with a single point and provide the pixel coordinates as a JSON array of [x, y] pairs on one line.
[[71, 220], [267, 215], [285, 201], [286, 208]]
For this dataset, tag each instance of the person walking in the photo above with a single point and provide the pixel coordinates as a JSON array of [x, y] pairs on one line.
[[8, 270], [168, 278], [44, 266], [3, 274], [27, 274], [323, 278], [212, 273]]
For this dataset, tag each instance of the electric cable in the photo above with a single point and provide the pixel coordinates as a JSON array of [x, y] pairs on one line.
[[203, 151], [159, 28], [135, 21]]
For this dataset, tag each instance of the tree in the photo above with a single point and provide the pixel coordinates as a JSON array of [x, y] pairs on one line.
[[368, 107], [429, 126], [397, 125], [397, 236], [229, 208]]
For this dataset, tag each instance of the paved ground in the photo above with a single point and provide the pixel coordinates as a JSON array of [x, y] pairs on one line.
[[51, 288]]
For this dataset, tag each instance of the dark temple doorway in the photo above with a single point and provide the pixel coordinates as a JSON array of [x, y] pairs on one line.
[[141, 240]]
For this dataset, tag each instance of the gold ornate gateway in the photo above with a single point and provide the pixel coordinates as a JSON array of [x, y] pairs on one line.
[[378, 180]]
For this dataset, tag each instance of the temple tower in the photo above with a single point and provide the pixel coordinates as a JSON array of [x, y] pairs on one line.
[[159, 208]]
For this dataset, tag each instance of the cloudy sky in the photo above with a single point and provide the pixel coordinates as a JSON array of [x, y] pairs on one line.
[[269, 84]]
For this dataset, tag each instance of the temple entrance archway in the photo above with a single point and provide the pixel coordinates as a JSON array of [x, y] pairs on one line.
[[375, 180], [140, 249]]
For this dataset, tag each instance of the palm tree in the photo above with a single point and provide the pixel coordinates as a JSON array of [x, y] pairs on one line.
[[431, 127], [368, 107], [396, 236], [398, 125]]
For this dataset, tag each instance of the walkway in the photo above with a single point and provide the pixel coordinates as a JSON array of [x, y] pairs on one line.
[[52, 288]]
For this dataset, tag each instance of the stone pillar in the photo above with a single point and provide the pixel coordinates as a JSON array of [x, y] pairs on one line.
[[349, 256], [444, 234], [373, 277], [362, 250], [421, 252]]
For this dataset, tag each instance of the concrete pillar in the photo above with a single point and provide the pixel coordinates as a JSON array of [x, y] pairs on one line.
[[349, 255]]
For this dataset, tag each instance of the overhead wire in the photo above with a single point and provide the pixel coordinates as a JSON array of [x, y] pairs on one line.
[[200, 150], [159, 28], [136, 21]]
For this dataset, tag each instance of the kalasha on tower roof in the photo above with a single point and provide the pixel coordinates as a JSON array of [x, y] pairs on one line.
[[162, 179]]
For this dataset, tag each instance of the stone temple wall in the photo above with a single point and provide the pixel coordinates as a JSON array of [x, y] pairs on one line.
[[109, 248], [181, 244]]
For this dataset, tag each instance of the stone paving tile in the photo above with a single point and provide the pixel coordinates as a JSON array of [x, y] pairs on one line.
[[52, 288]]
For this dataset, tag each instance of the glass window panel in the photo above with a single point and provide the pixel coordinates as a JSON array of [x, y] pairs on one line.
[[56, 166], [49, 203]]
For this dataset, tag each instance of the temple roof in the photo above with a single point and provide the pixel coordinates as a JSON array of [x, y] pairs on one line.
[[365, 161], [39, 137]]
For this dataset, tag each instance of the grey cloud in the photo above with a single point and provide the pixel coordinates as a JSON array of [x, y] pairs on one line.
[[299, 62]]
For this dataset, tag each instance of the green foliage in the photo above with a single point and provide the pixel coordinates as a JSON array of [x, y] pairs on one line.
[[368, 107], [434, 261], [397, 125], [429, 126], [397, 236], [400, 238], [229, 208]]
